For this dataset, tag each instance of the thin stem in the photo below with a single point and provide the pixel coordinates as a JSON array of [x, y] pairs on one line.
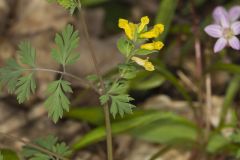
[[159, 153], [198, 56], [83, 82], [92, 52], [108, 132], [13, 138], [208, 102], [208, 83], [106, 106]]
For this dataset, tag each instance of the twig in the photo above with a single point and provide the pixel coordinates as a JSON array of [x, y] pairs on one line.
[[208, 102], [82, 81], [13, 138], [198, 56], [106, 106], [159, 153], [187, 81]]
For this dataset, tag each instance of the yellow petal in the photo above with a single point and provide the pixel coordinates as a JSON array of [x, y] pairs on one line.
[[139, 61], [149, 66], [154, 33], [144, 22], [128, 28], [159, 28], [144, 63], [153, 46], [122, 23]]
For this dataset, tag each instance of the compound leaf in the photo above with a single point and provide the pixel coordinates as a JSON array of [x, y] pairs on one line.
[[49, 143], [25, 86], [66, 43], [57, 102], [121, 105], [125, 46], [117, 88]]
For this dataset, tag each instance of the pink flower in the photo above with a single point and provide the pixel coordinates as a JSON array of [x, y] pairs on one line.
[[225, 28]]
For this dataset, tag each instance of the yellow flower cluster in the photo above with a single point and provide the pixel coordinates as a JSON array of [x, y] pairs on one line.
[[134, 31], [138, 31]]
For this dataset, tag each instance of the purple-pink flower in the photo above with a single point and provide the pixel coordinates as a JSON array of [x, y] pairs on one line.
[[225, 28]]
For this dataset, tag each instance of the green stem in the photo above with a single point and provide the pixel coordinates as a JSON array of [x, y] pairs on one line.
[[84, 83], [160, 152], [102, 91], [108, 132]]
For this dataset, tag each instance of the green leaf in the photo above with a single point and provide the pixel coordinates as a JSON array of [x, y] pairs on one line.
[[27, 54], [104, 99], [62, 149], [49, 143], [10, 74], [216, 143], [25, 86], [128, 71], [125, 46], [92, 2], [235, 137], [175, 132], [146, 80], [121, 105], [165, 14], [117, 88], [231, 68], [94, 115], [127, 125], [142, 52], [92, 78], [57, 102], [66, 3], [7, 154], [231, 93], [66, 43]]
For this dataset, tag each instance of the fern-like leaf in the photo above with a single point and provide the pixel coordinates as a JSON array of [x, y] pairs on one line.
[[49, 143], [57, 102], [27, 54], [66, 43], [25, 86], [10, 74], [120, 102], [121, 105]]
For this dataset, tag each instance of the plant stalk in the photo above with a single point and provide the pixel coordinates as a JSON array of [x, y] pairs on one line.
[[108, 132], [83, 82], [102, 87]]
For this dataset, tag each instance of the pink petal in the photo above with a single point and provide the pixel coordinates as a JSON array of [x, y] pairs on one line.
[[220, 44], [220, 16], [234, 13], [234, 43], [214, 30], [236, 27]]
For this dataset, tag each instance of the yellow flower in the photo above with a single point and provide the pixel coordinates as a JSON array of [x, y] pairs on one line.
[[144, 62], [129, 28], [153, 46], [154, 33], [144, 22]]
